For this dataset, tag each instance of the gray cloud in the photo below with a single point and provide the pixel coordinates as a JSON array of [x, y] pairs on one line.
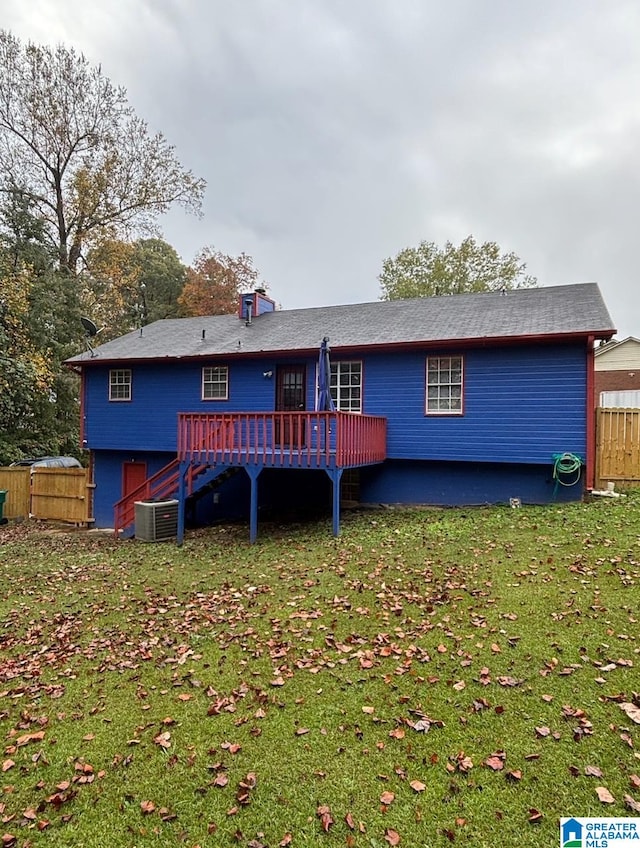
[[334, 134]]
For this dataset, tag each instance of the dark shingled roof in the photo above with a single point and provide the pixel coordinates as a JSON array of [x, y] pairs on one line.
[[573, 310]]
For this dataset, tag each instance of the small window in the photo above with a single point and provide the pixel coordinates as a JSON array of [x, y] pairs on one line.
[[346, 386], [215, 383], [444, 385], [120, 384]]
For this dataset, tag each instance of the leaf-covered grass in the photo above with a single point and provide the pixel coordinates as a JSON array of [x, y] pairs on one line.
[[432, 676]]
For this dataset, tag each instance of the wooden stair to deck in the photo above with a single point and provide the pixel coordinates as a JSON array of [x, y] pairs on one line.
[[164, 484]]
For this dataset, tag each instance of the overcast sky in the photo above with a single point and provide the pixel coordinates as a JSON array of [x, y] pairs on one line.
[[333, 133]]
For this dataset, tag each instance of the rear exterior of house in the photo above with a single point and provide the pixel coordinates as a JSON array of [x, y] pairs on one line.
[[468, 399]]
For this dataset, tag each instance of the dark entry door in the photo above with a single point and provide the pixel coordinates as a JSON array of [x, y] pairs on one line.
[[290, 397]]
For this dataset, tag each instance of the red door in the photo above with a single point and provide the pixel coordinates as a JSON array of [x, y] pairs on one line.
[[291, 397], [133, 476]]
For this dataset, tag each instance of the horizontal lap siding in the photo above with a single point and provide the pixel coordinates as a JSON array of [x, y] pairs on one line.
[[159, 392], [520, 405]]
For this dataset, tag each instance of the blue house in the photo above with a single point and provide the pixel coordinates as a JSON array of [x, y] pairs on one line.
[[456, 400]]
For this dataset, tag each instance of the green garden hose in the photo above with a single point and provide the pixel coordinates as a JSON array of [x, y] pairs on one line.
[[566, 465]]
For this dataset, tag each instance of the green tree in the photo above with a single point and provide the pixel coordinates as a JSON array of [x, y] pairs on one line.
[[162, 275], [128, 284], [72, 145], [39, 327], [215, 281], [429, 270]]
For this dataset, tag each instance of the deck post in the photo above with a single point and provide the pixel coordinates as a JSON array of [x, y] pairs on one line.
[[254, 472], [335, 475], [182, 499]]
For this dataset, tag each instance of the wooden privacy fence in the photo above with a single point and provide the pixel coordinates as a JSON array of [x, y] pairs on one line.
[[617, 446], [55, 494]]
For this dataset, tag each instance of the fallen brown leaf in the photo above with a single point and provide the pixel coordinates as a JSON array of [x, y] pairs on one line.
[[592, 771], [632, 711], [495, 762], [604, 795], [324, 814], [632, 804], [163, 739]]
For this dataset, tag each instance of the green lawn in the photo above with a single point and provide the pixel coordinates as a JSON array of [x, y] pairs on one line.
[[430, 677]]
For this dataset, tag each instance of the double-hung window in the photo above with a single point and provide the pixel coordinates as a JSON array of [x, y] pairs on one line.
[[120, 384], [444, 385], [215, 382], [346, 386]]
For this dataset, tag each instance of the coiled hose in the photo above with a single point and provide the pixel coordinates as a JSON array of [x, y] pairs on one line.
[[566, 465]]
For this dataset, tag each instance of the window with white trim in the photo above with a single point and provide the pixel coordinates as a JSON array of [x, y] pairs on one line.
[[215, 382], [120, 384], [444, 385], [346, 386]]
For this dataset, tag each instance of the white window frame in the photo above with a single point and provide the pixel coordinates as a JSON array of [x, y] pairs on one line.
[[341, 388], [120, 384], [445, 385], [221, 378]]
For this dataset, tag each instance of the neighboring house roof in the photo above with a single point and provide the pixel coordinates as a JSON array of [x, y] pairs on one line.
[[553, 312], [606, 348]]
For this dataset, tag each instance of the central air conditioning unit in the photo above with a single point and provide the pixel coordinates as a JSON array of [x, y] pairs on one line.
[[156, 521]]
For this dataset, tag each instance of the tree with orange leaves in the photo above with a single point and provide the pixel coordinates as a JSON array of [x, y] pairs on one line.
[[215, 281]]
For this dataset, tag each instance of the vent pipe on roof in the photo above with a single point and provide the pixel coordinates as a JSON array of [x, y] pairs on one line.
[[248, 302]]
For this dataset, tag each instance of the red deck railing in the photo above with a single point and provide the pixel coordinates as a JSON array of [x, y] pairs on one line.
[[283, 439]]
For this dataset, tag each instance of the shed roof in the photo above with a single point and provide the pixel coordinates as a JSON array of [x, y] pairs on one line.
[[554, 311]]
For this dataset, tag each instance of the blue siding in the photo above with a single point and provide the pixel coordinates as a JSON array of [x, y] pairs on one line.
[[520, 405], [160, 391]]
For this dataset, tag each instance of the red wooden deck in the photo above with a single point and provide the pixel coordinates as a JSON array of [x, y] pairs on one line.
[[321, 440], [324, 440]]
